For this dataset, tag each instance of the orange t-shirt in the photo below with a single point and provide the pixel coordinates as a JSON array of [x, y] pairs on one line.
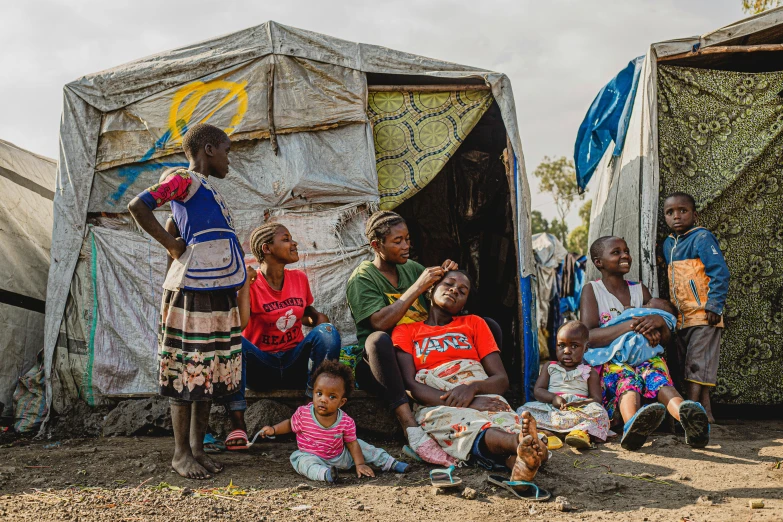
[[465, 337]]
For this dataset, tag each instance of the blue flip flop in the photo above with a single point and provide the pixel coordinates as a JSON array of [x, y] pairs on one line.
[[693, 418], [212, 445], [641, 425], [443, 478], [531, 492]]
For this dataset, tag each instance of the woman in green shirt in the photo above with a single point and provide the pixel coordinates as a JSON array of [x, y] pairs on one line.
[[385, 292]]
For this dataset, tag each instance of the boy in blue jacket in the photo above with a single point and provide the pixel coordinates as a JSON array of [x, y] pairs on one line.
[[698, 283]]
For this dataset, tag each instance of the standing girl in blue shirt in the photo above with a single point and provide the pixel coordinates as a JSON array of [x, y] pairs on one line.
[[200, 341]]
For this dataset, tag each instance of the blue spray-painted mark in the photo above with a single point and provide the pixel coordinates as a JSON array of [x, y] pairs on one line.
[[131, 172]]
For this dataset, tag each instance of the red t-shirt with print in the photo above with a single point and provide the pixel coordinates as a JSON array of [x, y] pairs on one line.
[[465, 337], [276, 315]]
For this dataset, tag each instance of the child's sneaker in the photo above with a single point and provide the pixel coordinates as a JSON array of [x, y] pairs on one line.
[[331, 475], [695, 423], [399, 467]]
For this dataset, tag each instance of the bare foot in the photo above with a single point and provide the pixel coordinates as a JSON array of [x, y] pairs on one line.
[[529, 428], [527, 461], [207, 462], [188, 467]]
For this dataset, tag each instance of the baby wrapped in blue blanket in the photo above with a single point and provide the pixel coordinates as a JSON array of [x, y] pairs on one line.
[[632, 348]]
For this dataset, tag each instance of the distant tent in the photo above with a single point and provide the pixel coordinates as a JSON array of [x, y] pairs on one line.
[[26, 193], [707, 119], [324, 131]]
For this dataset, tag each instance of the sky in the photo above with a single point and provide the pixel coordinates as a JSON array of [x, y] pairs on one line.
[[557, 53]]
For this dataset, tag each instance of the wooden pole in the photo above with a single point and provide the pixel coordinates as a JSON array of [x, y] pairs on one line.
[[724, 50], [270, 99], [427, 88]]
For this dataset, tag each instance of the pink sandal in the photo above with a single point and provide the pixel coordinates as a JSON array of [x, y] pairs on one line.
[[236, 435]]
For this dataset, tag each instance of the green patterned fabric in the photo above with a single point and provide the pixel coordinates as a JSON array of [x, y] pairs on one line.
[[720, 139], [416, 134]]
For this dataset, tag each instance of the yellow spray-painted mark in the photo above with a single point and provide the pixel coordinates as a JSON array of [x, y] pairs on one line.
[[186, 100]]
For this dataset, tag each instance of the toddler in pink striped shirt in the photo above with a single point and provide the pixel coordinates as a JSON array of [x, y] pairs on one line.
[[326, 436]]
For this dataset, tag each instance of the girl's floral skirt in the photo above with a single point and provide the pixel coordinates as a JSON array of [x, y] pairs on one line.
[[199, 344], [645, 379]]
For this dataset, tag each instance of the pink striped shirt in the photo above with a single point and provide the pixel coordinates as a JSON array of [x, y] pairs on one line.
[[312, 437]]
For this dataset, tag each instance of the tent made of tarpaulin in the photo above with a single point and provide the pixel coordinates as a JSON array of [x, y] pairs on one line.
[[707, 119], [323, 131], [27, 188]]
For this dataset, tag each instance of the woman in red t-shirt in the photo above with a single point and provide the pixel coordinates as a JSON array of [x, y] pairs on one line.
[[276, 354], [452, 368]]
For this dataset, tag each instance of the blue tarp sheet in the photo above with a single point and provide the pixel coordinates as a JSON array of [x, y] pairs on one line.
[[606, 121]]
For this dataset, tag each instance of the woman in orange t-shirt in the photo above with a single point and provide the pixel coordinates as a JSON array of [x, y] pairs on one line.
[[452, 368]]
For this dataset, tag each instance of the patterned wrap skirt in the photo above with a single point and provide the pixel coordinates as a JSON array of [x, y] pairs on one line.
[[199, 344], [645, 379]]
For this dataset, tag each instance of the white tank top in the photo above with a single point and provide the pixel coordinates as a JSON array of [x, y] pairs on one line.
[[609, 306]]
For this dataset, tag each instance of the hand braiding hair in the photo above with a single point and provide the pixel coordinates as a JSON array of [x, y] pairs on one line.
[[380, 223], [261, 236]]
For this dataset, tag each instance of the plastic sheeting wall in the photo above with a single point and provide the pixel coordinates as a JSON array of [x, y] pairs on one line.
[[26, 185]]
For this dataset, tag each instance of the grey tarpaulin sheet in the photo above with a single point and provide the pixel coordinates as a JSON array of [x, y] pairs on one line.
[[313, 167], [87, 100], [26, 185], [108, 340], [307, 95]]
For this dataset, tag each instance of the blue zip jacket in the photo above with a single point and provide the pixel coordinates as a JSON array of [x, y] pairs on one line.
[[698, 276]]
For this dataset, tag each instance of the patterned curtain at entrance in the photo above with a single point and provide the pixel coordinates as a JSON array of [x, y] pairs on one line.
[[415, 135], [720, 139]]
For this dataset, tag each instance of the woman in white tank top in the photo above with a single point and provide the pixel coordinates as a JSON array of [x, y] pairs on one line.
[[624, 385]]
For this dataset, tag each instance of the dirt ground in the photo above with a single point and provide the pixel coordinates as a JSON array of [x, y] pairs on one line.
[[130, 479]]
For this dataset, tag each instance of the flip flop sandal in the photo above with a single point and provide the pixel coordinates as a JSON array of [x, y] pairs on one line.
[[579, 439], [442, 478], [693, 418], [212, 445], [531, 492], [641, 425], [237, 435]]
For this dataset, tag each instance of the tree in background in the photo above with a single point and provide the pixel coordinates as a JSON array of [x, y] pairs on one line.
[[577, 239], [560, 230], [758, 6], [558, 178], [584, 212], [537, 223]]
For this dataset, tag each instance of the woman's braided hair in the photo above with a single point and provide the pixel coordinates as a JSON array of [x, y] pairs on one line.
[[261, 236], [380, 223]]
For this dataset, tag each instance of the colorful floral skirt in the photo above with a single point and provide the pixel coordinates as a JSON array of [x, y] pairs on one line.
[[199, 344], [645, 379], [591, 418], [455, 429]]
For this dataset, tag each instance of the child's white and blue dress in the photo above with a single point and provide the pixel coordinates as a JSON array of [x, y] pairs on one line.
[[571, 385], [200, 337]]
